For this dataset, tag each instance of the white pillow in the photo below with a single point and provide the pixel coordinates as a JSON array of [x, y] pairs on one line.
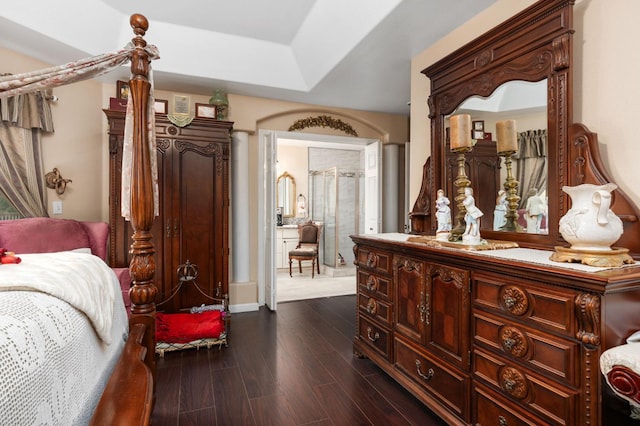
[[82, 250]]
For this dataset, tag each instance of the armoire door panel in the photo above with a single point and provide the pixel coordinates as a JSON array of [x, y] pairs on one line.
[[193, 184]]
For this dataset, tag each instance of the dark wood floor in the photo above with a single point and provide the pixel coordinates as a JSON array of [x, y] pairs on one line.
[[290, 367]]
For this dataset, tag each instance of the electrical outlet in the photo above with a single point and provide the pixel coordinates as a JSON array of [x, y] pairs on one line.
[[57, 207]]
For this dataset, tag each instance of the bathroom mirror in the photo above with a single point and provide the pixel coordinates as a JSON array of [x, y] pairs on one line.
[[533, 46], [286, 194]]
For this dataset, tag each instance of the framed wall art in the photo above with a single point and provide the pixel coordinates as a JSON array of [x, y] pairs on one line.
[[122, 89], [181, 105], [206, 111], [161, 106]]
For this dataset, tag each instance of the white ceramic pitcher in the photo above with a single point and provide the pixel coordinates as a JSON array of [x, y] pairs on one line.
[[590, 224]]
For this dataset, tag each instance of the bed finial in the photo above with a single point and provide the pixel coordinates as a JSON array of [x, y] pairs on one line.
[[139, 23]]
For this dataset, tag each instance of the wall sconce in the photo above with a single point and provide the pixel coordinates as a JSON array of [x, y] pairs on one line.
[[55, 181], [301, 203]]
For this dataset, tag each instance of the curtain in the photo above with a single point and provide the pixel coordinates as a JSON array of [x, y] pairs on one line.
[[21, 170], [23, 106], [22, 119], [531, 163]]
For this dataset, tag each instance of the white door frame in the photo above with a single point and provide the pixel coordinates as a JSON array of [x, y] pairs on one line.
[[267, 282], [267, 149]]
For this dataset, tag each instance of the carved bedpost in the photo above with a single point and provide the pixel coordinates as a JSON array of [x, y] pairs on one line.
[[142, 266]]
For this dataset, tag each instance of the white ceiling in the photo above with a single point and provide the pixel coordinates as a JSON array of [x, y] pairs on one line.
[[343, 53]]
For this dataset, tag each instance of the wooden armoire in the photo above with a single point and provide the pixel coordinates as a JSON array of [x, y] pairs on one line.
[[482, 167], [193, 222]]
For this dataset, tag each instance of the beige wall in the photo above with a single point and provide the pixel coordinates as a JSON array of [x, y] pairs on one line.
[[606, 88], [79, 146], [77, 151]]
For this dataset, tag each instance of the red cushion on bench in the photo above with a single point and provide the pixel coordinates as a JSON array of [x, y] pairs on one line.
[[187, 327]]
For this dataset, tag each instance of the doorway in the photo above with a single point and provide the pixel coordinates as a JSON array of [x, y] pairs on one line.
[[271, 142]]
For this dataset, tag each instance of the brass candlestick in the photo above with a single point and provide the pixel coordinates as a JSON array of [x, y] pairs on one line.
[[461, 182], [511, 186]]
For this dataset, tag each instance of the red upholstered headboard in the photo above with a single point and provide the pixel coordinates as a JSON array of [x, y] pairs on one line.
[[47, 235]]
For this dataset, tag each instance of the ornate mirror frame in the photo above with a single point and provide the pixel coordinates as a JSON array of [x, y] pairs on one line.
[[286, 194], [534, 45]]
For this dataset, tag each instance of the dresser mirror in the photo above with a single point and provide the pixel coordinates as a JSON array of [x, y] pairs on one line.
[[534, 47], [285, 195]]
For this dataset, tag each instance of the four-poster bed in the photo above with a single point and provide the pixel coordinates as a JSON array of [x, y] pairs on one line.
[[127, 397]]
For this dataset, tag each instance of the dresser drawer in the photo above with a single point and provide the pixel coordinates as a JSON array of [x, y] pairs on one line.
[[376, 260], [543, 398], [445, 384], [374, 285], [537, 350], [547, 307], [375, 308], [375, 336], [492, 410]]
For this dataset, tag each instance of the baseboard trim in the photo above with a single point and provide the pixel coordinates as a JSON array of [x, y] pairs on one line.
[[245, 307]]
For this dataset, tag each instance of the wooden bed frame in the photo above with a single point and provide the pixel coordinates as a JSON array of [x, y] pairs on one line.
[[129, 395]]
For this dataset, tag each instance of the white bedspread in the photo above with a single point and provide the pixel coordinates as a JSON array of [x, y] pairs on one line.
[[79, 279], [54, 364]]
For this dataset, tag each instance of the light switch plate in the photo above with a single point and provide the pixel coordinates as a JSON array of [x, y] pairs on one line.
[[57, 207]]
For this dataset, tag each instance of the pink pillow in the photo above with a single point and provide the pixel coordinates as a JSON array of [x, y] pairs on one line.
[[42, 235]]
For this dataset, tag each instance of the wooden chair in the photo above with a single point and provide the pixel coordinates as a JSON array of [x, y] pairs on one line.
[[307, 248]]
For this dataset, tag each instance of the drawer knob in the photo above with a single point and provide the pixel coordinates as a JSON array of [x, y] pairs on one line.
[[502, 421], [423, 376], [373, 337]]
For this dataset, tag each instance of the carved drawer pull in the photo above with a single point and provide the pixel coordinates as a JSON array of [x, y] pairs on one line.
[[375, 336], [514, 341], [427, 376], [372, 307], [513, 382], [372, 260], [514, 300], [372, 283], [502, 421]]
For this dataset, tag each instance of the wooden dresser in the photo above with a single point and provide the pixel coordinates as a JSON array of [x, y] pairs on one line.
[[193, 181], [488, 338]]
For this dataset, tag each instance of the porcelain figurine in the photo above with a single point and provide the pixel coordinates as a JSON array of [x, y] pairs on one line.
[[590, 224], [443, 217], [536, 209], [500, 212], [471, 233]]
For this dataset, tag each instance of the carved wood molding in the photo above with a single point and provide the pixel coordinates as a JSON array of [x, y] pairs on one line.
[[588, 315], [585, 166], [323, 121], [407, 264]]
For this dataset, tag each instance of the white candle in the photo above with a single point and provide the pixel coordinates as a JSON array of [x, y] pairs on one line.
[[507, 136], [460, 131]]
